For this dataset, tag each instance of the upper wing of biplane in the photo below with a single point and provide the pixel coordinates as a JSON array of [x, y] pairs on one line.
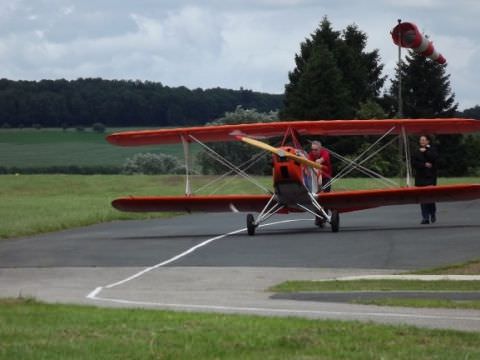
[[273, 129], [342, 200]]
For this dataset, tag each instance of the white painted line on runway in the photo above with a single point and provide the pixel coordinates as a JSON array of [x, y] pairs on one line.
[[93, 295], [175, 258], [266, 310]]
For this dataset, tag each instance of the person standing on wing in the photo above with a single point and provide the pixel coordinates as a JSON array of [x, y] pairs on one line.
[[321, 155], [424, 162]]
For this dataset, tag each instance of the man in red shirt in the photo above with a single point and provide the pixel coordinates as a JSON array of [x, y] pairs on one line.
[[321, 155]]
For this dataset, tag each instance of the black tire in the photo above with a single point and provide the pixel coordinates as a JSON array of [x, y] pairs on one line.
[[335, 221], [250, 225]]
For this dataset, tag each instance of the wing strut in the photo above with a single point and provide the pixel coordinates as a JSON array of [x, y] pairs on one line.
[[353, 164], [366, 171], [186, 153], [244, 166], [229, 165], [408, 161]]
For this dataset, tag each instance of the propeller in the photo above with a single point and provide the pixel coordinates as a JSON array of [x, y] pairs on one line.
[[280, 152]]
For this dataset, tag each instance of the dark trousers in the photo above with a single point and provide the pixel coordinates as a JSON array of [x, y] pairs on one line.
[[325, 181], [428, 211]]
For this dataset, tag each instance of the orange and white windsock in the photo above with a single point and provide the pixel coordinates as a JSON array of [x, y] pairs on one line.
[[407, 35]]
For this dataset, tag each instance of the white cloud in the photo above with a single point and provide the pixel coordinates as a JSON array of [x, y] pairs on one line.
[[217, 43]]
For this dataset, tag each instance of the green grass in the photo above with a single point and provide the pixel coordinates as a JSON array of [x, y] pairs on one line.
[[471, 267], [54, 147], [423, 303], [32, 204], [391, 285], [32, 330], [377, 285]]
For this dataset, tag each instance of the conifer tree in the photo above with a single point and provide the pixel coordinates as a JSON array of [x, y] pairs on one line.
[[332, 76], [426, 88], [427, 93]]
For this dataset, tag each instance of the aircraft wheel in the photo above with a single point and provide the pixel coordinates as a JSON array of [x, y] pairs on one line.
[[250, 224], [335, 221]]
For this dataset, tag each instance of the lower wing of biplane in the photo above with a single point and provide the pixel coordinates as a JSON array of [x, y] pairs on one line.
[[343, 201], [324, 206]]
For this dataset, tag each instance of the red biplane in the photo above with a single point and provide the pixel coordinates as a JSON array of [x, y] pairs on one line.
[[294, 179]]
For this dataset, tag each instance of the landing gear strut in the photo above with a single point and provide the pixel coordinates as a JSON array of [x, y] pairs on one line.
[[270, 209], [320, 222]]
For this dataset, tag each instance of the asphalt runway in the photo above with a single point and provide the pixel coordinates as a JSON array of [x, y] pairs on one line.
[[190, 263]]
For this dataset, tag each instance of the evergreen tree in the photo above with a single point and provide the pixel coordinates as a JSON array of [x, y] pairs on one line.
[[320, 92], [333, 75], [426, 88], [427, 94]]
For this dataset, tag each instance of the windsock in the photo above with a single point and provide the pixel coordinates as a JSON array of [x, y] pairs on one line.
[[407, 35]]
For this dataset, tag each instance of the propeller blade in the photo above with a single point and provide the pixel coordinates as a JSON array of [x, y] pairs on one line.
[[280, 152]]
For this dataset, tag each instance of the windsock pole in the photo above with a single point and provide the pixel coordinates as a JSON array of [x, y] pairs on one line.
[[400, 100]]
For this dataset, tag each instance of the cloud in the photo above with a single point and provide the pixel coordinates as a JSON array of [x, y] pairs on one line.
[[231, 44]]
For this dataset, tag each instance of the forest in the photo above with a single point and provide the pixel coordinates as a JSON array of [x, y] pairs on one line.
[[119, 103]]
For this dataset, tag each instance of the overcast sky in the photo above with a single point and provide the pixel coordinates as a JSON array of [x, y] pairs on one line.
[[215, 43]]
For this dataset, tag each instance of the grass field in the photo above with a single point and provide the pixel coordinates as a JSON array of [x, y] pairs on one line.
[[471, 267], [32, 204], [55, 147], [377, 285], [423, 303], [32, 330]]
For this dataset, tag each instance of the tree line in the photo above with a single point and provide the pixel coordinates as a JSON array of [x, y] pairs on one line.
[[119, 103]]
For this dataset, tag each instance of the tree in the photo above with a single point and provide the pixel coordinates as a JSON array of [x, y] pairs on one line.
[[370, 110], [120, 103], [473, 112], [426, 88], [333, 75], [236, 152], [427, 94], [320, 92]]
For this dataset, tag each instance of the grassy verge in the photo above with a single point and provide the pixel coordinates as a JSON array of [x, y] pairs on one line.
[[471, 267], [395, 285], [31, 330], [377, 285], [33, 204], [423, 303]]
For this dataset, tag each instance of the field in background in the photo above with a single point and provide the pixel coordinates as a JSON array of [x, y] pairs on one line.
[[55, 147]]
